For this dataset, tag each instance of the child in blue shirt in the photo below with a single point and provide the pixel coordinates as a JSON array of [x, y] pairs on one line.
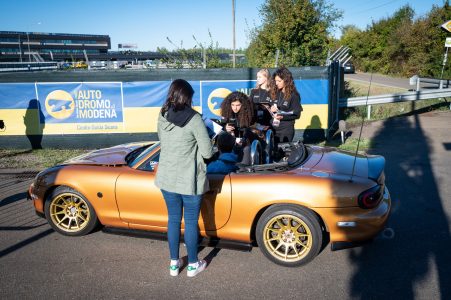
[[227, 160]]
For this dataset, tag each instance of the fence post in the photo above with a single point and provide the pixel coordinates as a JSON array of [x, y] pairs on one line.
[[369, 112]]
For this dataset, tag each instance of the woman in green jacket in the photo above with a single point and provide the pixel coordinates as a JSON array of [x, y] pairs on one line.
[[181, 173]]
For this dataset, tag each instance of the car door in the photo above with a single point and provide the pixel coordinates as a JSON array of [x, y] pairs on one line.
[[139, 200], [216, 203], [141, 203]]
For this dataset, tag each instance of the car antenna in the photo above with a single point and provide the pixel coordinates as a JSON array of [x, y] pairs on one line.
[[361, 128]]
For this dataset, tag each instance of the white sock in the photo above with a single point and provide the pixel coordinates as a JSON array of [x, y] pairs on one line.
[[194, 265], [174, 262]]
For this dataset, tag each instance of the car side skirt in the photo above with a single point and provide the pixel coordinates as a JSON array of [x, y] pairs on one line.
[[206, 242], [335, 246]]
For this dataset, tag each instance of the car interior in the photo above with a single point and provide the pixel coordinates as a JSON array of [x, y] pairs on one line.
[[265, 156]]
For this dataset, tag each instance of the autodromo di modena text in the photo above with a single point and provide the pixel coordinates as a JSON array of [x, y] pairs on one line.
[[90, 105]]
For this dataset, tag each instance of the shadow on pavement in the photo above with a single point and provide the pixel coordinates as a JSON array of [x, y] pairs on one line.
[[17, 214], [25, 242], [13, 198], [420, 249]]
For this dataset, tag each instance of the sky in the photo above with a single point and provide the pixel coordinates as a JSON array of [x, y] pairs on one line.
[[150, 23]]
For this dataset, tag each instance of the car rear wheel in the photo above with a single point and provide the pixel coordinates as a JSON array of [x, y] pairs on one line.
[[69, 212], [289, 235]]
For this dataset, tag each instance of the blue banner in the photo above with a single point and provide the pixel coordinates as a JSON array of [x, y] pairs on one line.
[[313, 91], [80, 102], [214, 92], [107, 107], [152, 93], [17, 95]]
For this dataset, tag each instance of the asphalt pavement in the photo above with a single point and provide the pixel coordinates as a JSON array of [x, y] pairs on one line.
[[384, 80], [37, 263]]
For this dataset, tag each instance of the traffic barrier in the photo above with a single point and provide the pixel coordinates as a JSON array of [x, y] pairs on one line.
[[392, 98]]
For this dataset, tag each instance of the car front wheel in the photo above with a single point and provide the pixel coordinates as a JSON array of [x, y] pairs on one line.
[[69, 212], [289, 235]]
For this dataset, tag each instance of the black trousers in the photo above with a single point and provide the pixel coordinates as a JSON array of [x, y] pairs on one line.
[[284, 135]]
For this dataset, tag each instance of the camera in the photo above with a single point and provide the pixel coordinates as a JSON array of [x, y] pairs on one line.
[[269, 102], [230, 121]]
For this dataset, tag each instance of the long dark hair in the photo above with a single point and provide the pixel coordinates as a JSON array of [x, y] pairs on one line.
[[180, 95], [246, 113], [287, 78]]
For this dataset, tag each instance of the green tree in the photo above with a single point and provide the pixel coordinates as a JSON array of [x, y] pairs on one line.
[[400, 44], [297, 28]]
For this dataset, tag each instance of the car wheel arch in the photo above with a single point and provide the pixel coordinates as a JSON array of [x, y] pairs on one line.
[[265, 208], [92, 221], [49, 191], [278, 238]]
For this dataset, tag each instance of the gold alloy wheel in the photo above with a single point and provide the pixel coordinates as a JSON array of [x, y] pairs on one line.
[[287, 238], [69, 212]]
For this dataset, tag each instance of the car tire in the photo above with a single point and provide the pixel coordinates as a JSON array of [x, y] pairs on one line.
[[289, 235], [69, 212]]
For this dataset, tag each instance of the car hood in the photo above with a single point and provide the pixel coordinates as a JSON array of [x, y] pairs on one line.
[[113, 156], [340, 162]]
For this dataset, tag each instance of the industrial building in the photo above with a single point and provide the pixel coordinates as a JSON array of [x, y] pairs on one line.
[[38, 47]]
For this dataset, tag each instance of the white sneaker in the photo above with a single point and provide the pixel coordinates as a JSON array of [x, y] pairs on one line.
[[196, 268], [174, 269]]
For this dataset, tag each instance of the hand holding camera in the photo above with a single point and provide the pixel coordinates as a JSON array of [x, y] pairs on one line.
[[229, 128], [230, 124]]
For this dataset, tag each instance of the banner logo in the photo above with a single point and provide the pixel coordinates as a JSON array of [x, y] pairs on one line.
[[215, 99], [59, 104]]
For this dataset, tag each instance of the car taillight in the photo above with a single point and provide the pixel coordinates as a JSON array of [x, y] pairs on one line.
[[371, 197]]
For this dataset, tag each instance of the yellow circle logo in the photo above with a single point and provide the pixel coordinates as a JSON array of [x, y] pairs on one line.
[[59, 104], [213, 104]]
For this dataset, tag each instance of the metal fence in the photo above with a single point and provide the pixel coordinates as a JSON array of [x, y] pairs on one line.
[[392, 98], [440, 83], [27, 66]]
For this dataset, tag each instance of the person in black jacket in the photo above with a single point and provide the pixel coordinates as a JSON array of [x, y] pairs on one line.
[[260, 94], [237, 107], [287, 108], [238, 114]]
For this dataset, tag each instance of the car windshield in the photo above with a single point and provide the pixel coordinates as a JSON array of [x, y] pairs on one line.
[[136, 155]]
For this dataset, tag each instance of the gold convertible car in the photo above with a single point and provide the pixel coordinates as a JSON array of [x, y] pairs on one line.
[[291, 209]]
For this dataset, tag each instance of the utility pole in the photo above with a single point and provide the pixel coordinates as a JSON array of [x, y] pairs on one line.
[[233, 16]]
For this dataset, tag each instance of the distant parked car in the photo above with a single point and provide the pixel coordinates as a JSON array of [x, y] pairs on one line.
[[80, 65], [100, 65], [349, 68], [66, 66]]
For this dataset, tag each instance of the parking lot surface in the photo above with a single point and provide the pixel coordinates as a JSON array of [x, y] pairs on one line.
[[37, 263]]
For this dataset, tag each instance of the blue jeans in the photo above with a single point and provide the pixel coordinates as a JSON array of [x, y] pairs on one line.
[[190, 204]]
